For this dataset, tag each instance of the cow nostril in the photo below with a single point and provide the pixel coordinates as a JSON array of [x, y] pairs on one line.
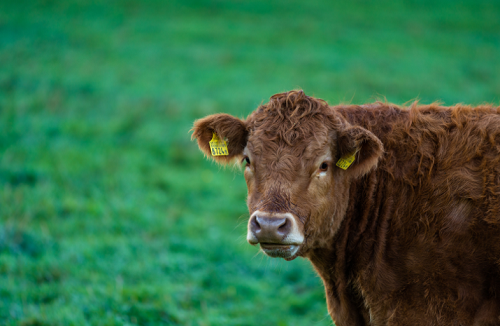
[[285, 226], [255, 224]]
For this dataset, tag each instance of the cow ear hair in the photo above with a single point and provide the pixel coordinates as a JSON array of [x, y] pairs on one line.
[[227, 127], [364, 144]]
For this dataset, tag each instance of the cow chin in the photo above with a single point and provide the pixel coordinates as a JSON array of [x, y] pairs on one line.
[[288, 252]]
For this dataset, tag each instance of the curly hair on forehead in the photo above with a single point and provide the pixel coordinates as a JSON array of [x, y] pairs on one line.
[[291, 116], [295, 104]]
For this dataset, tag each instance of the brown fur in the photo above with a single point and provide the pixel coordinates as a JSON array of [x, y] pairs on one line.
[[410, 234]]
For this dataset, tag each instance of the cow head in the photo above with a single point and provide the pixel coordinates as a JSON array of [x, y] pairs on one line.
[[297, 196]]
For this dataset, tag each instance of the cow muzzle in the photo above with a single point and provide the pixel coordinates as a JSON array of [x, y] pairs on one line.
[[279, 234]]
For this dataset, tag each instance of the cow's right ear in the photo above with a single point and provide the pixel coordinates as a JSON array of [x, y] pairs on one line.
[[232, 130]]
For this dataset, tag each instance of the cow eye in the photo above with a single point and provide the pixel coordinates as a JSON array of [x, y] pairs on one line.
[[247, 160], [323, 167]]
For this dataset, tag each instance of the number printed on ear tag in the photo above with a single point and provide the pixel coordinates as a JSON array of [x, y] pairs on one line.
[[218, 147], [345, 162]]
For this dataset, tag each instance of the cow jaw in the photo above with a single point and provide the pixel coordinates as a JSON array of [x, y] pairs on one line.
[[278, 234]]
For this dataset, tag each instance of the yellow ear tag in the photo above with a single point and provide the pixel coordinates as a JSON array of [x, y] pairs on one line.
[[345, 162], [218, 147]]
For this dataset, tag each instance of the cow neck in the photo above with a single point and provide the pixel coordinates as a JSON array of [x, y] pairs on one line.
[[356, 247]]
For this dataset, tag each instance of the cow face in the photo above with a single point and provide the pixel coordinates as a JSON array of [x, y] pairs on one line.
[[297, 196]]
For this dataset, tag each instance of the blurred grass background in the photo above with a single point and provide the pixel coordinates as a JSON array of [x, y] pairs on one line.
[[109, 214]]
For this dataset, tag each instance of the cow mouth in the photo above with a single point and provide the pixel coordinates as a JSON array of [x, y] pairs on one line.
[[286, 251]]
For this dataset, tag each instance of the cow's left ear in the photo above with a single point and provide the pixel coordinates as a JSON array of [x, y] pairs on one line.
[[225, 127], [364, 145]]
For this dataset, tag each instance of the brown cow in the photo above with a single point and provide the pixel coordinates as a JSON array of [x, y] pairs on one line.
[[409, 234]]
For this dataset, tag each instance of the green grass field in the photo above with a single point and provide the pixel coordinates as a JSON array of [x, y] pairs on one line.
[[109, 214]]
